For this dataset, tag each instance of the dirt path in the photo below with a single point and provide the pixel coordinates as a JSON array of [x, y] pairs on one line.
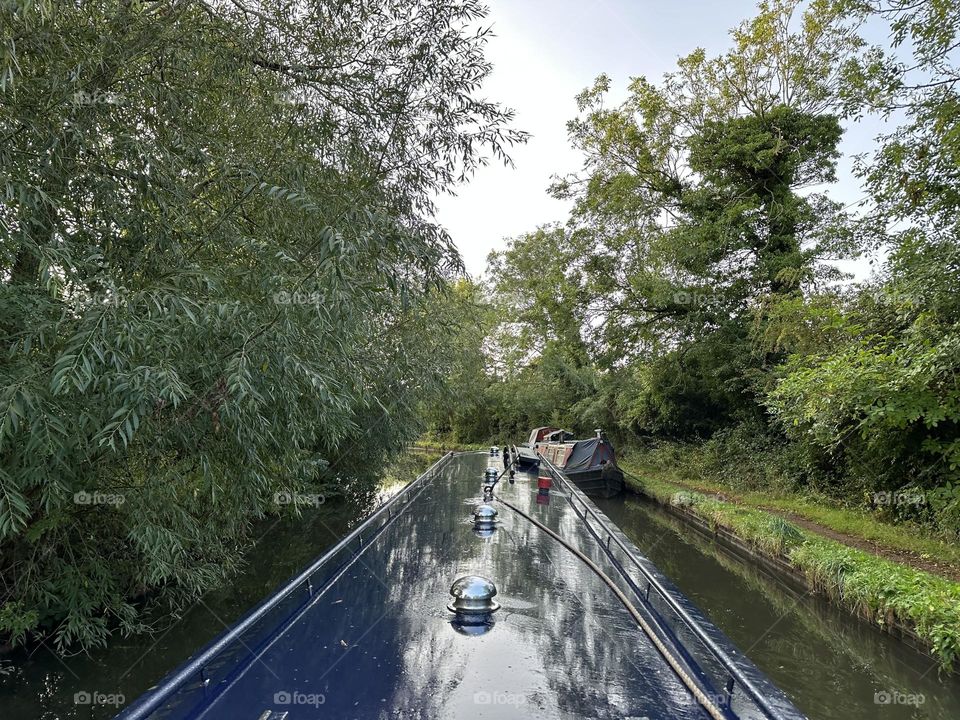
[[916, 560], [911, 559], [904, 557]]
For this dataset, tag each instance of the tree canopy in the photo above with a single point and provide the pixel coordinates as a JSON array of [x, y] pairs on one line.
[[694, 295], [217, 267]]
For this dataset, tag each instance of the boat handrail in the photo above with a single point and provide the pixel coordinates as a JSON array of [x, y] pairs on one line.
[[154, 698], [729, 663]]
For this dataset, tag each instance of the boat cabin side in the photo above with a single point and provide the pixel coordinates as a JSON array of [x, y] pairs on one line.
[[560, 447]]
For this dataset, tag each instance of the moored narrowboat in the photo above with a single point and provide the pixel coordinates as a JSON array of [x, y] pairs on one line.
[[591, 464], [526, 453]]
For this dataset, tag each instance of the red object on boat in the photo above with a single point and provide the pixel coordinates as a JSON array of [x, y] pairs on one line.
[[544, 482]]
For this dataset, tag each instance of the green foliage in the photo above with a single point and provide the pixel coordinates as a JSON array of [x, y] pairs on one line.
[[462, 412], [897, 396], [693, 303], [691, 218], [521, 360], [618, 285], [872, 586], [881, 399], [693, 294], [217, 276]]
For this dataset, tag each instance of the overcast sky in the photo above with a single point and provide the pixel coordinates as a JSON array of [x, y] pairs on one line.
[[547, 51]]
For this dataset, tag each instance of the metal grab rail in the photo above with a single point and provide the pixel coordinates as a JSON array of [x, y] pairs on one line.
[[174, 682], [728, 663]]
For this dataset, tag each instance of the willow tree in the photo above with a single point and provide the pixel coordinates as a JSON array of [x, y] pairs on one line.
[[216, 227]]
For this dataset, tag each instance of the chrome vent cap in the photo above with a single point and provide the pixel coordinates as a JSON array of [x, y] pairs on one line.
[[473, 595]]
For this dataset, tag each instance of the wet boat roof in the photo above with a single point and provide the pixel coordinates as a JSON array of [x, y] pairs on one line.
[[376, 640]]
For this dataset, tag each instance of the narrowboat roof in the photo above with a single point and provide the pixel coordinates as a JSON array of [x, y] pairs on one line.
[[538, 433], [365, 632], [584, 454], [558, 436]]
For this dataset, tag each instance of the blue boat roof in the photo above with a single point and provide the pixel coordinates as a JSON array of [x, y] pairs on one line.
[[365, 631]]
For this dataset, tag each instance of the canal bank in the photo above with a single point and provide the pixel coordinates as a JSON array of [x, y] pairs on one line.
[[830, 664], [917, 607]]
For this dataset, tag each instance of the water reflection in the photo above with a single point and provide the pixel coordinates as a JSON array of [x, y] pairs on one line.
[[831, 665], [379, 642], [42, 686]]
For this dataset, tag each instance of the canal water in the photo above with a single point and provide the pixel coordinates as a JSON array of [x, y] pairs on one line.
[[42, 686], [831, 665]]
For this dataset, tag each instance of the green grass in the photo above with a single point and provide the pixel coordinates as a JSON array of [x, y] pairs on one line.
[[876, 588], [445, 443], [858, 523], [408, 465]]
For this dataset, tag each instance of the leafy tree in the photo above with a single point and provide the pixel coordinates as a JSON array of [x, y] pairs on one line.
[[215, 246], [693, 221], [694, 212], [465, 318], [546, 367], [882, 398]]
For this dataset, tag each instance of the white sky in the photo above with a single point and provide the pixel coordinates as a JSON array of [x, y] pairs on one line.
[[547, 51]]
